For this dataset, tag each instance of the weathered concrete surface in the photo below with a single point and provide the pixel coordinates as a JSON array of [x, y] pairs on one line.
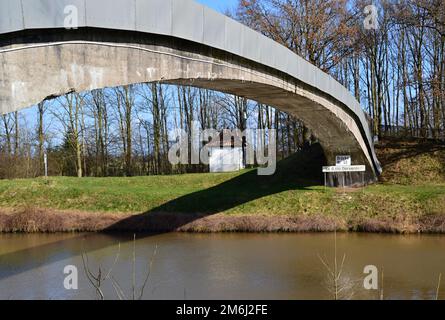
[[37, 64]]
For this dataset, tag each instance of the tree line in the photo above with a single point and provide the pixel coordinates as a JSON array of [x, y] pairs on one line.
[[395, 69], [124, 131]]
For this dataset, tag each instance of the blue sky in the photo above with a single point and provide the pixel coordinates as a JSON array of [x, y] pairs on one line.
[[220, 5]]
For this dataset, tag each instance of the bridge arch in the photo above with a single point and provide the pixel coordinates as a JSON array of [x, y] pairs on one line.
[[178, 42]]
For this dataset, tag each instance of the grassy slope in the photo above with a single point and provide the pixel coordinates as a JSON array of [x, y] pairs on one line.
[[413, 185], [241, 192]]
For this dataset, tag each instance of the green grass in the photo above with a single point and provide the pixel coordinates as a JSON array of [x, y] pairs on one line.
[[291, 191], [240, 192], [103, 194], [212, 193], [182, 193]]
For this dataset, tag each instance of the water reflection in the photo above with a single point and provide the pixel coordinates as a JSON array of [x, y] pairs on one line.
[[221, 266]]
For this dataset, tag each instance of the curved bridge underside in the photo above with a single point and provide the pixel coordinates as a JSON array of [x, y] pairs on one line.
[[176, 41]]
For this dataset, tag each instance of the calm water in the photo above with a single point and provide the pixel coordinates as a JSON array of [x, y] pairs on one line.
[[222, 266]]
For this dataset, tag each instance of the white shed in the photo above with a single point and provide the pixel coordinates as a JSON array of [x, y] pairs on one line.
[[226, 154]]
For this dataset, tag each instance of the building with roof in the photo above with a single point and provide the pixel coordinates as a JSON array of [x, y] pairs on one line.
[[226, 154]]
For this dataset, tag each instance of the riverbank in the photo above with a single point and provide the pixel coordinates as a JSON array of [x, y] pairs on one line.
[[409, 199], [52, 221]]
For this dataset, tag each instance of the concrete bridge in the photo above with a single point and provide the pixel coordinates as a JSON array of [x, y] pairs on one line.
[[121, 42]]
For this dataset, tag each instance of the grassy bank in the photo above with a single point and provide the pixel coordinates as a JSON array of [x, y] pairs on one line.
[[410, 198]]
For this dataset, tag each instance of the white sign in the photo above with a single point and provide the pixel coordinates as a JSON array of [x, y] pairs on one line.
[[343, 160], [344, 169]]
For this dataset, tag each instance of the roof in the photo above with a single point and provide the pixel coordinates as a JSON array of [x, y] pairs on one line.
[[227, 139]]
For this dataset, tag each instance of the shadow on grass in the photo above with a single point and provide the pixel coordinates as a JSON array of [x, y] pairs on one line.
[[298, 172]]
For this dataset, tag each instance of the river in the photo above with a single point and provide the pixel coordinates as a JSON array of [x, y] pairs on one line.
[[221, 266]]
